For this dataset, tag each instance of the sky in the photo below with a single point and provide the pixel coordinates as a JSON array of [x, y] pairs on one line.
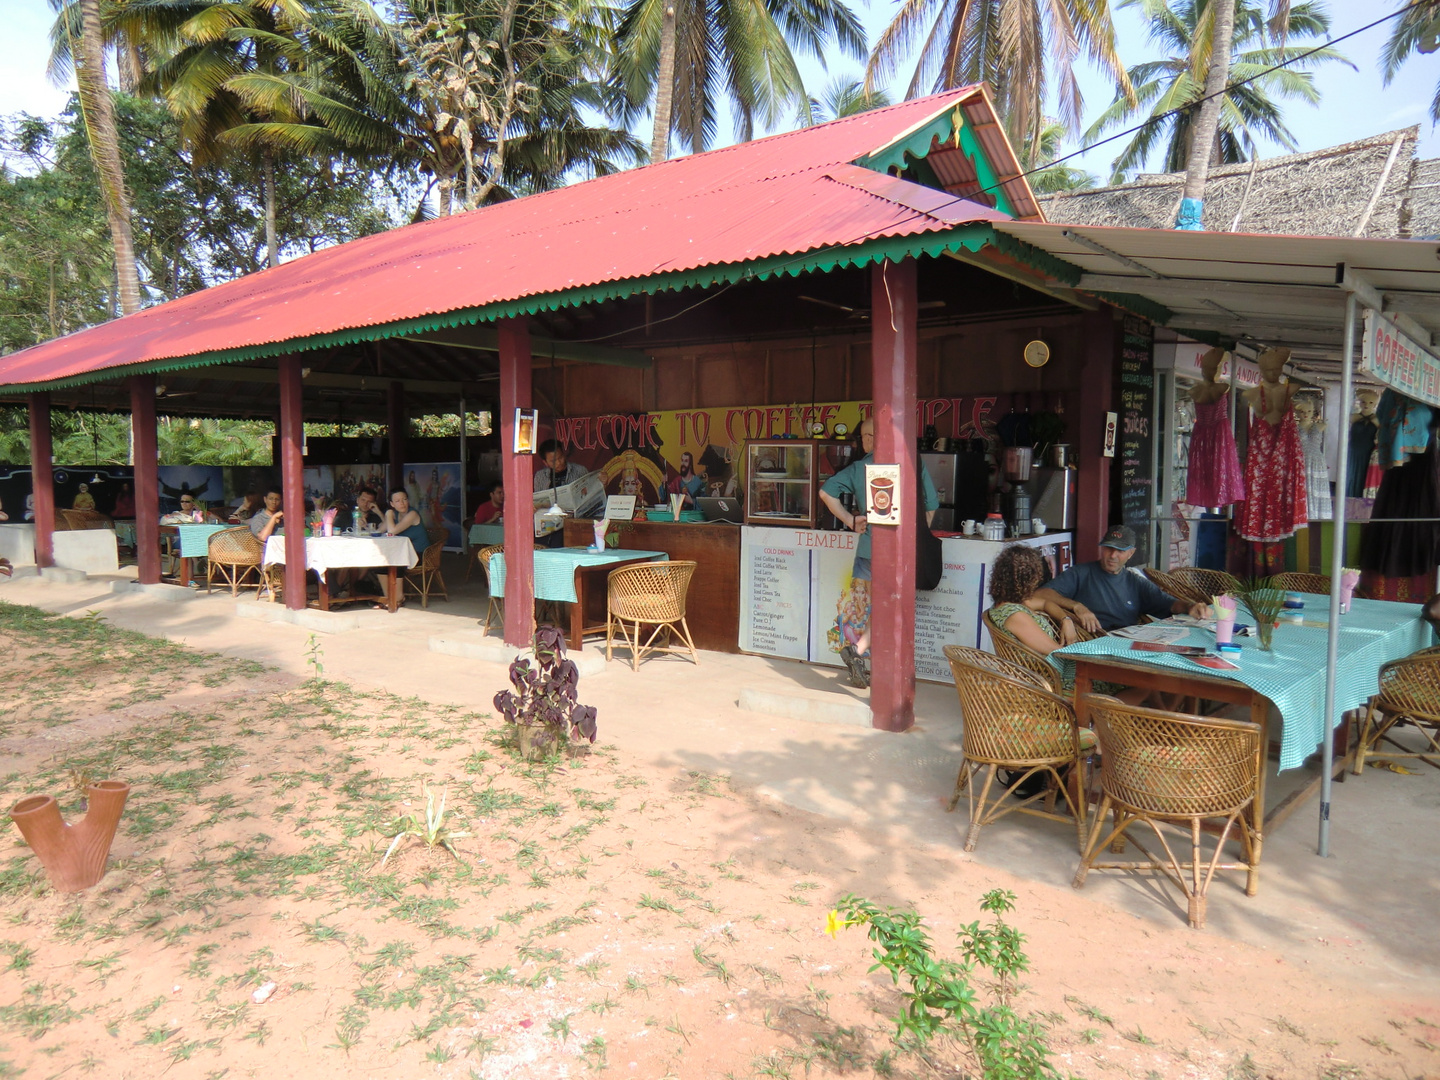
[[1353, 104]]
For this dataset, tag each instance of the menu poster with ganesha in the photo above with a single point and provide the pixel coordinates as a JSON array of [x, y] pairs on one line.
[[655, 454]]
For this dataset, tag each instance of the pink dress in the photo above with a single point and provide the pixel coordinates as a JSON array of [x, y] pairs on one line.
[[1274, 479], [1213, 478]]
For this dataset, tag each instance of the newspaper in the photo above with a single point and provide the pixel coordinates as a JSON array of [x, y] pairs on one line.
[[1157, 632]]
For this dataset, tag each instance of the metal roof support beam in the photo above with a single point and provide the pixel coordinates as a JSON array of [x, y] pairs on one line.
[[334, 380], [1068, 296], [487, 339], [1100, 249], [1368, 296]]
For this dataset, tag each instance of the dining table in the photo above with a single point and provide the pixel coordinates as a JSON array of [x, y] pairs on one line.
[[350, 551], [193, 540], [576, 576], [1290, 676]]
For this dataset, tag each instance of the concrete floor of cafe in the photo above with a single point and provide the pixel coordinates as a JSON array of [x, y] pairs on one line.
[[798, 734]]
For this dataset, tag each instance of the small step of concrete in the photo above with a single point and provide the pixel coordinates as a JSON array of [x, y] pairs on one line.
[[491, 649], [823, 708], [29, 571], [321, 622], [171, 594], [63, 574]]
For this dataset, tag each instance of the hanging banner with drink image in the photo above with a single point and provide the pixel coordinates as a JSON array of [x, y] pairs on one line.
[[882, 482]]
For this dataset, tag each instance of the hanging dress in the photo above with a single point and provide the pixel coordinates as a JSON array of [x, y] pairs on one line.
[[1275, 504], [1317, 474], [1213, 478]]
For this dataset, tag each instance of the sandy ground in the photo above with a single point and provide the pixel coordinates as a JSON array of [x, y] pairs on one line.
[[653, 908]]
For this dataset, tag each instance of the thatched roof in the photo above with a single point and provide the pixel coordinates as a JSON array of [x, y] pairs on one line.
[[1424, 201], [1357, 189]]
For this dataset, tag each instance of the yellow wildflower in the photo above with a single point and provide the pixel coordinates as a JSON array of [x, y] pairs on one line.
[[833, 923]]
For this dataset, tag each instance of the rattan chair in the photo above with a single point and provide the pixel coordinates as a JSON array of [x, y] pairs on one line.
[[233, 555], [496, 608], [1198, 585], [1164, 581], [1409, 697], [1011, 722], [649, 595], [1010, 648], [1294, 581], [424, 577], [1173, 769]]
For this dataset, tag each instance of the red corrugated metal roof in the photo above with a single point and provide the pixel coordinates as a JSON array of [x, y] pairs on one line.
[[779, 196]]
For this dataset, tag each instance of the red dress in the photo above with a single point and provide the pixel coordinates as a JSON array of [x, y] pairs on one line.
[[1275, 503]]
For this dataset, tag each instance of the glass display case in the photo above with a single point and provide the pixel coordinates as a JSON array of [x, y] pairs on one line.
[[781, 483]]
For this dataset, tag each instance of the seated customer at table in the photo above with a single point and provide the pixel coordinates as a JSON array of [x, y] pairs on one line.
[[186, 514], [1018, 610], [492, 510], [1104, 595], [266, 520], [400, 520]]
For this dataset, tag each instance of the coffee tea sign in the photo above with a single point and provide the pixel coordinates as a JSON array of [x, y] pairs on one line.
[[882, 486], [1398, 361]]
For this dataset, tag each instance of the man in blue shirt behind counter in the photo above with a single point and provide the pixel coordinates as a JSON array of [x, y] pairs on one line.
[[1103, 595]]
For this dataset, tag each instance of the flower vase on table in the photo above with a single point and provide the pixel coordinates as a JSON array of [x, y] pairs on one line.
[[1264, 605]]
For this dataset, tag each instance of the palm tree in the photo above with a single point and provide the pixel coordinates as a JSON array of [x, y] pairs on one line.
[[1418, 30], [487, 97], [721, 48], [1164, 88], [1002, 43], [846, 97], [1048, 177], [1221, 16], [98, 111]]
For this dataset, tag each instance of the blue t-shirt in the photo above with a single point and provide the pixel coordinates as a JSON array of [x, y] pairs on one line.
[[1116, 599], [418, 538], [851, 481]]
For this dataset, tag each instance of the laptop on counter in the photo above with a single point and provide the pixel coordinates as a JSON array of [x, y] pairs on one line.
[[716, 509]]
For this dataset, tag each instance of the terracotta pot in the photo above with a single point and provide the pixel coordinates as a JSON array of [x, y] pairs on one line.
[[73, 855]]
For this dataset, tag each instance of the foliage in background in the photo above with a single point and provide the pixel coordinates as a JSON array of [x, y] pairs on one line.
[[544, 709], [1418, 30], [86, 438], [941, 996], [845, 97], [1178, 27]]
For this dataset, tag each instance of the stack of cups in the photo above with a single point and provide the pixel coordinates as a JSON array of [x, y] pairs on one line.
[[1224, 619]]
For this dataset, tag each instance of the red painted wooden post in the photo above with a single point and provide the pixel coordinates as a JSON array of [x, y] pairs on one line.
[[147, 478], [1097, 381], [892, 590], [397, 423], [292, 479], [42, 479], [518, 473]]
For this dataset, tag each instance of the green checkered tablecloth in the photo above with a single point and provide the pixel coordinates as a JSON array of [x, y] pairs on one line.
[[555, 569], [195, 539], [1292, 674], [485, 535]]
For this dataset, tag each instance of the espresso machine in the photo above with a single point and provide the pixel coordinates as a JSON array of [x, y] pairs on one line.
[[1017, 466]]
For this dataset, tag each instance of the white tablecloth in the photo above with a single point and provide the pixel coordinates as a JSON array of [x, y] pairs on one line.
[[324, 553]]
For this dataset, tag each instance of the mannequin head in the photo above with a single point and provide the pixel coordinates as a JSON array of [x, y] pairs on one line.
[[1306, 409], [1366, 402], [1271, 363], [1210, 363]]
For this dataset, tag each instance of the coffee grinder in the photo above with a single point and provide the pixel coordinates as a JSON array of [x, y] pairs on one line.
[[1018, 466]]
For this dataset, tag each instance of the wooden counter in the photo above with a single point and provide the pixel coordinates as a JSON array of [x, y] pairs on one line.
[[713, 606]]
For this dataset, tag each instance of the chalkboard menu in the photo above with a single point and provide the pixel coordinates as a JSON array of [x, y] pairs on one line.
[[1137, 411]]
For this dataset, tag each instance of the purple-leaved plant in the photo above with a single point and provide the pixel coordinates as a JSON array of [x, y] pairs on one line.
[[544, 708]]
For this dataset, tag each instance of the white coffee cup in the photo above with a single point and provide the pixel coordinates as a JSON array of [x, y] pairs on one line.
[[968, 527], [1037, 525]]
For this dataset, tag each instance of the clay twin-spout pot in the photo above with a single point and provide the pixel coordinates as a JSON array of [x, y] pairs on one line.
[[73, 855]]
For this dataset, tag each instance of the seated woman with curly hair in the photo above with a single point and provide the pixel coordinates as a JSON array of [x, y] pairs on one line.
[[1017, 573]]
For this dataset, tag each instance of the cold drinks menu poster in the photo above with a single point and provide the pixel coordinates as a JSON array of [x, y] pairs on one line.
[[775, 593]]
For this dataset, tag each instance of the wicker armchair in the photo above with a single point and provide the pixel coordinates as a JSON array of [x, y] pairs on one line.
[[424, 577], [497, 603], [1010, 722], [649, 594], [234, 555], [1172, 769], [1316, 584], [1409, 697], [1198, 585], [1165, 581], [1012, 649]]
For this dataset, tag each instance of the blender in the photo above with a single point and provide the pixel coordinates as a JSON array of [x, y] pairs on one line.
[[1018, 466]]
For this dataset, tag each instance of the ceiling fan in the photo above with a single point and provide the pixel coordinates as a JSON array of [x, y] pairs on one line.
[[864, 312], [162, 393]]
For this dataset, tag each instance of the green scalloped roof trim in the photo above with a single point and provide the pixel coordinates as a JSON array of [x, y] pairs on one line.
[[912, 149], [1139, 305], [969, 237]]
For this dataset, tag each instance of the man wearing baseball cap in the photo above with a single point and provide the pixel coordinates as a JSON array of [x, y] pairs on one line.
[[1103, 595]]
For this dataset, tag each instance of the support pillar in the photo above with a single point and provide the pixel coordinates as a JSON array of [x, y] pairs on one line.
[[42, 479], [518, 473], [292, 479], [892, 590], [397, 425], [147, 478], [1101, 335]]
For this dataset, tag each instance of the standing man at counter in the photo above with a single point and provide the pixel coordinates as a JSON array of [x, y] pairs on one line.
[[1103, 595], [851, 481]]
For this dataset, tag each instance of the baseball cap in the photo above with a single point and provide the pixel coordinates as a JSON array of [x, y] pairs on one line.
[[1121, 538]]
